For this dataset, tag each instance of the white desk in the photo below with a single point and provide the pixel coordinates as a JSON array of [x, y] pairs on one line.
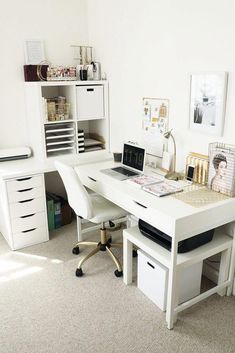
[[172, 216]]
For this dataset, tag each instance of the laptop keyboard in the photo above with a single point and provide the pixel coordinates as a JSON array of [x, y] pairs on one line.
[[124, 171]]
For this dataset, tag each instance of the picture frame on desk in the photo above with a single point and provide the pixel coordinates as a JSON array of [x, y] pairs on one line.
[[221, 176], [207, 102]]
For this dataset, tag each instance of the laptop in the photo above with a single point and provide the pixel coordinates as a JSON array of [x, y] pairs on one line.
[[133, 158]]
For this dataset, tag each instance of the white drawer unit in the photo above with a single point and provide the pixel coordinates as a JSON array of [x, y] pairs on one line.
[[25, 205], [153, 280], [90, 102]]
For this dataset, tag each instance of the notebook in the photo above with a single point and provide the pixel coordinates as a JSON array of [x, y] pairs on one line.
[[133, 158]]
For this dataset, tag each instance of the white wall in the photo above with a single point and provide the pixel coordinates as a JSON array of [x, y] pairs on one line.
[[59, 23], [149, 48]]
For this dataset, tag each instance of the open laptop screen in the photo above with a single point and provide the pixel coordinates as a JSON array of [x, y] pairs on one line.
[[133, 156]]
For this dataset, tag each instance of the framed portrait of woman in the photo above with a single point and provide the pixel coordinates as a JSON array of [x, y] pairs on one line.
[[221, 177], [207, 102]]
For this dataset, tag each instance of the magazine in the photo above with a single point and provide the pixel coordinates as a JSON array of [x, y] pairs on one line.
[[162, 188], [143, 180]]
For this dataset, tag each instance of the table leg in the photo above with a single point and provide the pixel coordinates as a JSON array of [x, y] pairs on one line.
[[224, 269], [232, 265], [127, 260], [172, 286]]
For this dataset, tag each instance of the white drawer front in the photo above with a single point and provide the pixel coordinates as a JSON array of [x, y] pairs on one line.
[[31, 237], [25, 183], [25, 194], [34, 220], [23, 208]]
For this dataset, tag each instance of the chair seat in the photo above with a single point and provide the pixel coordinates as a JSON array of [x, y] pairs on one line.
[[104, 210]]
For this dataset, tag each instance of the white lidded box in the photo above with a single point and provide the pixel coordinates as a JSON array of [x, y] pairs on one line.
[[153, 280], [90, 102]]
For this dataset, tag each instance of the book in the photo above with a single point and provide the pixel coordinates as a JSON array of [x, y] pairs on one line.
[[162, 188], [142, 180], [50, 213]]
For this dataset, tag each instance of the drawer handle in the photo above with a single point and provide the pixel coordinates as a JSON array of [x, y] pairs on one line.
[[28, 230], [150, 265], [91, 178], [28, 215], [90, 89], [29, 200], [140, 204], [23, 179], [25, 190]]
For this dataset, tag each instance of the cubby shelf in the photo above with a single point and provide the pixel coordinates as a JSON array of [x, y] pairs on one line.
[[88, 114]]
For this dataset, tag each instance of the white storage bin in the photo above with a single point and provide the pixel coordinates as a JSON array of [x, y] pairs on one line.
[[153, 280], [90, 102]]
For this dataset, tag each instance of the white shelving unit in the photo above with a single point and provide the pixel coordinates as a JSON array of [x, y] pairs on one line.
[[88, 114]]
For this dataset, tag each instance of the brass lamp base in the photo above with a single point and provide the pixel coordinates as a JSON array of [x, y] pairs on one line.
[[174, 176]]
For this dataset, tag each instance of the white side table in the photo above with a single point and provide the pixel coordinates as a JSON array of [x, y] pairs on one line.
[[221, 243]]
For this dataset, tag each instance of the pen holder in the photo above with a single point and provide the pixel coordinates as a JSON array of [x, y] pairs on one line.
[[117, 156]]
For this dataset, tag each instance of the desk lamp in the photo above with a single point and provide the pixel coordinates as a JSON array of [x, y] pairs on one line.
[[172, 175]]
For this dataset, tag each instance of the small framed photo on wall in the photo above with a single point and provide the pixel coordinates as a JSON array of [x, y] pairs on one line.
[[207, 102]]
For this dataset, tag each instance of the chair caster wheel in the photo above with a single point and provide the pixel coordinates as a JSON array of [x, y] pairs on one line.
[[134, 253], [79, 272], [76, 250], [118, 273], [110, 240]]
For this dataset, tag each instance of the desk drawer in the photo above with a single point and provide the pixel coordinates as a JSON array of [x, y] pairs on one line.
[[26, 207], [25, 183], [33, 220], [25, 194], [29, 237]]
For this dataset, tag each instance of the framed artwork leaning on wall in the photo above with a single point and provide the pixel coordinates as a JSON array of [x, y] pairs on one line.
[[221, 176], [207, 102]]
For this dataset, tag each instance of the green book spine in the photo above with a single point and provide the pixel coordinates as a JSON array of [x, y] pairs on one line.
[[50, 214]]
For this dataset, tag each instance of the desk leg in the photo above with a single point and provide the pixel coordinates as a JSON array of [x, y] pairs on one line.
[[232, 265], [127, 260], [172, 286], [224, 269]]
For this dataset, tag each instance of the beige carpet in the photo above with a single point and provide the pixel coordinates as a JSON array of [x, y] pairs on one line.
[[44, 308]]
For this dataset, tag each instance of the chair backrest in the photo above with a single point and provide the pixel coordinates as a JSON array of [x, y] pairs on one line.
[[78, 197]]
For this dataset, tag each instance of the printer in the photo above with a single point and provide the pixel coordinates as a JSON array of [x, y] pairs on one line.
[[9, 154], [165, 240]]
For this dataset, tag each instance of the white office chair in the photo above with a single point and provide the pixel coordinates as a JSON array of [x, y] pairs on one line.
[[91, 207]]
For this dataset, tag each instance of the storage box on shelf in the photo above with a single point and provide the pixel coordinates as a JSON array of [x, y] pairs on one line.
[[56, 131], [153, 280]]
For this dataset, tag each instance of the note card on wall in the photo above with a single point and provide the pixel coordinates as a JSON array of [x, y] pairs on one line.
[[154, 124]]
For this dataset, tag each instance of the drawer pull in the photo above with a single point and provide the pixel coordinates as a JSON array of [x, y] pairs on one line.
[[91, 178], [23, 179], [29, 200], [28, 215], [29, 230], [148, 263], [140, 204], [25, 190], [90, 89]]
